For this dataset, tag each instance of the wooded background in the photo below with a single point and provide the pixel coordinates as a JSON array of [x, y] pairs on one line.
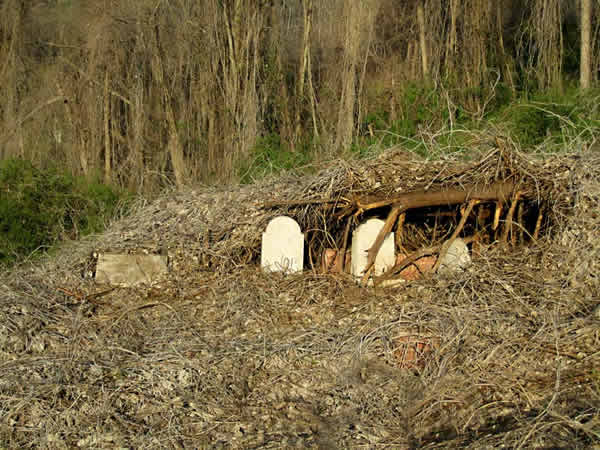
[[148, 93]]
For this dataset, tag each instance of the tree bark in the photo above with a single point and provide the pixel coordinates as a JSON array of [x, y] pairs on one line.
[[107, 147], [423, 42], [304, 63], [452, 196], [174, 144], [351, 50], [499, 191], [451, 45], [586, 27]]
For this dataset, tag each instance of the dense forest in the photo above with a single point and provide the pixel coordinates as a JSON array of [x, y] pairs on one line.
[[144, 94]]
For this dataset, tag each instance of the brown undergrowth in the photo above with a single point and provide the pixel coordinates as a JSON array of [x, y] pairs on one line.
[[220, 354]]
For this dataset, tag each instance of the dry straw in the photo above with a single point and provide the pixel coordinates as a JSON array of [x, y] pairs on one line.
[[222, 355]]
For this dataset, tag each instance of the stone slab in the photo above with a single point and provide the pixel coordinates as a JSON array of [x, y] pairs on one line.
[[457, 257], [130, 270], [282, 246]]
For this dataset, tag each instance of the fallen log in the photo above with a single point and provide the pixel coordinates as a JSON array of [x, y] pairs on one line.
[[500, 191]]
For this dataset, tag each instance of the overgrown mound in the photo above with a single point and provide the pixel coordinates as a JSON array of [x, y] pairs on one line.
[[220, 354]]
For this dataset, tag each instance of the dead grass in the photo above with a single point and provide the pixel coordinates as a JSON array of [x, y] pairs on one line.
[[222, 355]]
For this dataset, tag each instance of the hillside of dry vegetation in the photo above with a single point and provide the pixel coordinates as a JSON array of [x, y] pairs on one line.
[[219, 354], [145, 95]]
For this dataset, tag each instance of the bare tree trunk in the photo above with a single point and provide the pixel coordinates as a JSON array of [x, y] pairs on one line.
[[107, 146], [212, 142], [174, 145], [79, 151], [548, 49], [361, 81], [137, 136], [412, 59], [451, 46], [351, 48], [313, 100], [11, 45], [304, 61], [346, 112], [423, 42], [359, 20], [586, 31], [282, 101], [237, 66]]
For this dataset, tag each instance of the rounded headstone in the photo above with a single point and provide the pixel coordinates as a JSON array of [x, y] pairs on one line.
[[283, 224], [363, 239], [282, 246]]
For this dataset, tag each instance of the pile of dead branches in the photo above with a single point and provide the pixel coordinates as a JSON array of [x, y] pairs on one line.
[[503, 199], [220, 354]]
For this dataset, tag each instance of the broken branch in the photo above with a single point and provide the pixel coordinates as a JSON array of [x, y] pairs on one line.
[[400, 231], [538, 223], [460, 226], [509, 218], [315, 201], [497, 214], [427, 251], [339, 266], [393, 273]]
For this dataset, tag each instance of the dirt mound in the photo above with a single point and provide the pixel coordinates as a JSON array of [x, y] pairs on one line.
[[221, 355]]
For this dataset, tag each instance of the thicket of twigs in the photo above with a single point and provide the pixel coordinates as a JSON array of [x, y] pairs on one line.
[[220, 354], [150, 94]]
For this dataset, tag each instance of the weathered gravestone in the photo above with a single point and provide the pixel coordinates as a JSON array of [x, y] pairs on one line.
[[282, 246], [363, 239], [457, 257], [130, 270]]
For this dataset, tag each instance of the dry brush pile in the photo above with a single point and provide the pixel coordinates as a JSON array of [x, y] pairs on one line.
[[219, 354]]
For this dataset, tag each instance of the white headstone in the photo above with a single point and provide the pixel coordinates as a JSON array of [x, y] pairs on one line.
[[282, 246], [363, 239], [457, 257]]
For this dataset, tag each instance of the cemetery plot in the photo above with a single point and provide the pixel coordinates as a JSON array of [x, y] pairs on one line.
[[398, 233], [220, 352], [421, 209]]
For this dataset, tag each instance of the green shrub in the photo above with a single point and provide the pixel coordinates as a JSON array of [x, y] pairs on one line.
[[38, 208], [551, 116], [270, 156], [419, 106]]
